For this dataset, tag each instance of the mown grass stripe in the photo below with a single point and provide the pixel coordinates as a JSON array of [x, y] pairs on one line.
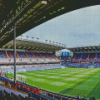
[[68, 81]]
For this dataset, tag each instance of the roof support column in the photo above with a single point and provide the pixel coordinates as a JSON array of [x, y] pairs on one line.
[[15, 53]]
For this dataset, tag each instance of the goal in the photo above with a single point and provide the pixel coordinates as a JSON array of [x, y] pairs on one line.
[[21, 78]]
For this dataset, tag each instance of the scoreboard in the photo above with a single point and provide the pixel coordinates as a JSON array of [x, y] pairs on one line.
[[65, 54]]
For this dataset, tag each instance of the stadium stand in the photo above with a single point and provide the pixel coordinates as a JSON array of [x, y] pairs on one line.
[[84, 57], [38, 61], [24, 57], [21, 91], [7, 69], [91, 57], [98, 57], [79, 60], [24, 68], [84, 65], [10, 15]]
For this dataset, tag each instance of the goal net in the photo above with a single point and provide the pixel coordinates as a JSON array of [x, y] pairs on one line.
[[21, 78]]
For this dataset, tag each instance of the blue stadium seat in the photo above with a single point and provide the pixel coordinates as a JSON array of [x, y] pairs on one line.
[[30, 55], [22, 54], [2, 55]]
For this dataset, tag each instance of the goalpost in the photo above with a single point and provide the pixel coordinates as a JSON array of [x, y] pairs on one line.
[[21, 78]]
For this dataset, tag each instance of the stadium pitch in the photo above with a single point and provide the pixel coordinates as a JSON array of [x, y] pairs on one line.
[[68, 81]]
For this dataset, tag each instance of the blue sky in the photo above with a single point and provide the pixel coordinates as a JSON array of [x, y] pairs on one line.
[[77, 28]]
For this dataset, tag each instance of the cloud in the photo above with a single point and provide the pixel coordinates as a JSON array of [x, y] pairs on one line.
[[78, 27]]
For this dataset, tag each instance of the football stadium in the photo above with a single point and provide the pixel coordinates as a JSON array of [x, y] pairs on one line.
[[36, 70]]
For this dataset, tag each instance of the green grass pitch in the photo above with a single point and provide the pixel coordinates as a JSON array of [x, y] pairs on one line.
[[67, 81]]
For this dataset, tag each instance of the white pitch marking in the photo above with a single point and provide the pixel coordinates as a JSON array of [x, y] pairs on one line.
[[70, 79], [53, 76], [80, 75], [65, 74], [38, 80], [58, 83]]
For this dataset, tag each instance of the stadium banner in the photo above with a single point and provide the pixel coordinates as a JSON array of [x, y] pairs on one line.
[[30, 51], [66, 54]]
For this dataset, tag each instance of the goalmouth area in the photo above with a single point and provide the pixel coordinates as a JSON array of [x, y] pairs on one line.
[[67, 81]]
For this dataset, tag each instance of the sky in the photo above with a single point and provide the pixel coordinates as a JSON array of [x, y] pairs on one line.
[[76, 28]]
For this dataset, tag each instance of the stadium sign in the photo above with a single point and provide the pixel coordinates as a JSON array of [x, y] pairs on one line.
[[11, 20]]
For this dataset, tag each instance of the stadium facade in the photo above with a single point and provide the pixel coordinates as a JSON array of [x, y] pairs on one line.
[[20, 16], [36, 53], [32, 57], [88, 56]]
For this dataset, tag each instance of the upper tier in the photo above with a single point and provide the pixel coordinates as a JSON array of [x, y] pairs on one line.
[[24, 57]]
